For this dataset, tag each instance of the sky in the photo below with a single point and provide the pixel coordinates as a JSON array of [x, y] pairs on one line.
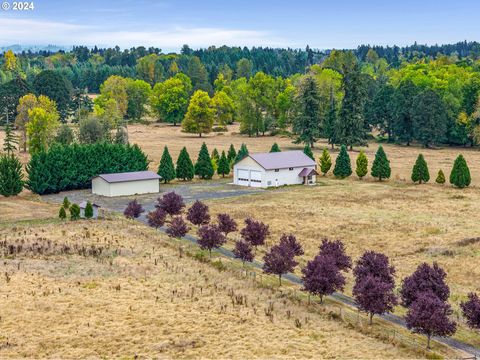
[[168, 24]]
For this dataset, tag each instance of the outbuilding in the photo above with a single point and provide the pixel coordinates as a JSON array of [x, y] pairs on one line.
[[275, 169], [127, 183]]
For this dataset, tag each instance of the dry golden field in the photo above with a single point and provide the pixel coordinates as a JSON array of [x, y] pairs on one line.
[[409, 223], [154, 136], [117, 289]]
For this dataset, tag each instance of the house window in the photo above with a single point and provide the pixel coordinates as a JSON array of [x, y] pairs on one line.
[[290, 169], [277, 170]]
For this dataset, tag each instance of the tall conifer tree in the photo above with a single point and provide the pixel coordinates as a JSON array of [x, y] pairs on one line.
[[203, 167], [343, 167], [166, 169], [381, 165], [185, 169]]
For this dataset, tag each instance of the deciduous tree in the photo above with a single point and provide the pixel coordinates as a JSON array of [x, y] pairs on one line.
[[133, 210], [198, 214], [177, 228], [255, 232], [171, 202], [226, 224], [210, 237], [199, 116], [243, 251], [156, 218], [471, 310]]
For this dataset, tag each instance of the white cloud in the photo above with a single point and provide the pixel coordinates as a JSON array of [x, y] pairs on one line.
[[29, 31]]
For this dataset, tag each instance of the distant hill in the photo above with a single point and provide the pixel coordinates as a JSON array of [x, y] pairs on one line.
[[16, 48]]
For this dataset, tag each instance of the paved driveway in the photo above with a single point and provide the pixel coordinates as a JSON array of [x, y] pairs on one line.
[[205, 190]]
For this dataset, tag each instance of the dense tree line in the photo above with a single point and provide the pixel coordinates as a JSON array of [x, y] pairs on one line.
[[72, 167]]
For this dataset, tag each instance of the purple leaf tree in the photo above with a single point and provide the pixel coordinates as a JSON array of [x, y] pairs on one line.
[[210, 237], [255, 232], [321, 276], [243, 251], [171, 203], [336, 250], [292, 242], [428, 315], [198, 214], [471, 310], [177, 228], [425, 278], [133, 210], [156, 218], [279, 260], [226, 224], [374, 284]]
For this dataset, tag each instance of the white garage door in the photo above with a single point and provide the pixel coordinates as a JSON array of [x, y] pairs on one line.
[[255, 178], [242, 177]]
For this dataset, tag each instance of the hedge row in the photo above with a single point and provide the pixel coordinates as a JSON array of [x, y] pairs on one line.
[[69, 167]]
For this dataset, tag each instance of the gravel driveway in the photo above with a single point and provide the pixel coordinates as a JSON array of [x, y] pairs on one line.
[[205, 190]]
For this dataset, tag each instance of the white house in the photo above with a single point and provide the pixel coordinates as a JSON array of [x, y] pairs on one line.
[[275, 169], [127, 183]]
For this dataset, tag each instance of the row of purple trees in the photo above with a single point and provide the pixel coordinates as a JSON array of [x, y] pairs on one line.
[[424, 293]]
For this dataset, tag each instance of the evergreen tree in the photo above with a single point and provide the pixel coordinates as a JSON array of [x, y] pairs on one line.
[[232, 154], [420, 170], [74, 212], [11, 175], [11, 140], [242, 153], [330, 121], [223, 165], [307, 150], [88, 210], [351, 125], [362, 165], [203, 167], [402, 100], [343, 167], [440, 177], [429, 118], [215, 154], [62, 214], [307, 123], [185, 169], [381, 165], [325, 161], [460, 175], [275, 148], [166, 169], [66, 203]]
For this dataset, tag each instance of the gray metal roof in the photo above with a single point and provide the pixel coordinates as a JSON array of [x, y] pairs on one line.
[[282, 160], [83, 205], [129, 176]]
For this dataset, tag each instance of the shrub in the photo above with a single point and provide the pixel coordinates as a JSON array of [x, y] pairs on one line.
[[343, 167], [72, 167], [325, 162], [62, 213], [66, 203], [166, 169], [275, 148], [88, 210], [362, 165], [440, 177], [420, 170], [460, 175], [11, 175], [74, 212], [133, 210], [381, 165], [65, 135]]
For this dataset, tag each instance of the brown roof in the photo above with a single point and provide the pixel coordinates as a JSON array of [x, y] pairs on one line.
[[282, 159], [129, 176]]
